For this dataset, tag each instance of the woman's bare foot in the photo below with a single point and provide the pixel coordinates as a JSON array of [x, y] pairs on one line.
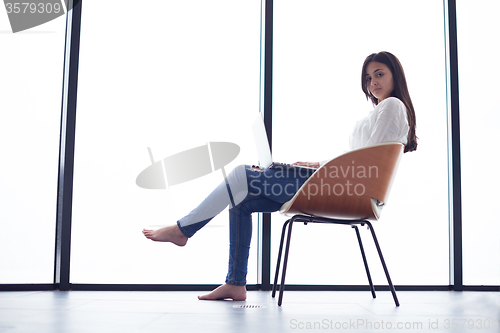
[[236, 293], [170, 234]]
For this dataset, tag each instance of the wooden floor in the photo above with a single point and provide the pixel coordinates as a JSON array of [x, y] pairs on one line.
[[302, 311]]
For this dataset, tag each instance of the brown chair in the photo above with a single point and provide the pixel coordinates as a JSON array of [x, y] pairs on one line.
[[350, 190]]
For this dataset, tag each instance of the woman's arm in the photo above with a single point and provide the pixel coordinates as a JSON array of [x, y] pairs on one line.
[[307, 164], [391, 123]]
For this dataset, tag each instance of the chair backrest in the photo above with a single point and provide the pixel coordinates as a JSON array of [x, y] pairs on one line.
[[354, 185]]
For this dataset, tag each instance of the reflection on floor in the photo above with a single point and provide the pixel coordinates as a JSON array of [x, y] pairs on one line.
[[305, 311]]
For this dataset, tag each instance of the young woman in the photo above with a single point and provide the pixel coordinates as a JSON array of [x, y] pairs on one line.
[[250, 189]]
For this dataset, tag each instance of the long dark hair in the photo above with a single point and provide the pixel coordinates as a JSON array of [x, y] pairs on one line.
[[400, 91]]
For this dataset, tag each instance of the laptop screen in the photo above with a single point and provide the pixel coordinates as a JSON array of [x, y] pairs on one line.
[[261, 142]]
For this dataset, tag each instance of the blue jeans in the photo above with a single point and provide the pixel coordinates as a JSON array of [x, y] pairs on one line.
[[246, 191]]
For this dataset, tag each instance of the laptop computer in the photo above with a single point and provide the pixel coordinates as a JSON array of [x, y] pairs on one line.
[[263, 148]]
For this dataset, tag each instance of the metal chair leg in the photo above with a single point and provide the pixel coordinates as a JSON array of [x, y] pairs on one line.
[[278, 261], [285, 262], [372, 288], [391, 286]]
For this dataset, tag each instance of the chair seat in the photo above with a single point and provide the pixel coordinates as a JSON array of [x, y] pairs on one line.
[[376, 211]]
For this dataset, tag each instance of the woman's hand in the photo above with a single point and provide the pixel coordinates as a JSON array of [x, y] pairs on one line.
[[308, 164]]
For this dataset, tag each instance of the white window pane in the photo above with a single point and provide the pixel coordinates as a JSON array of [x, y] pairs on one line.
[[478, 33], [318, 54], [185, 74], [31, 68]]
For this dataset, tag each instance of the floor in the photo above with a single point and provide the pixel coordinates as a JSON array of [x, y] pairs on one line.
[[303, 311]]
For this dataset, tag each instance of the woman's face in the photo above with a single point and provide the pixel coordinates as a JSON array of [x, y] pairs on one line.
[[379, 80]]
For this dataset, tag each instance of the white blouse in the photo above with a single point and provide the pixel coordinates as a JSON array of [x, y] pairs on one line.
[[386, 123]]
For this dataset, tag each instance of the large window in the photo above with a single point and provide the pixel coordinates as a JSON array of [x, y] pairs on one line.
[[318, 54], [31, 68], [185, 74], [478, 31]]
